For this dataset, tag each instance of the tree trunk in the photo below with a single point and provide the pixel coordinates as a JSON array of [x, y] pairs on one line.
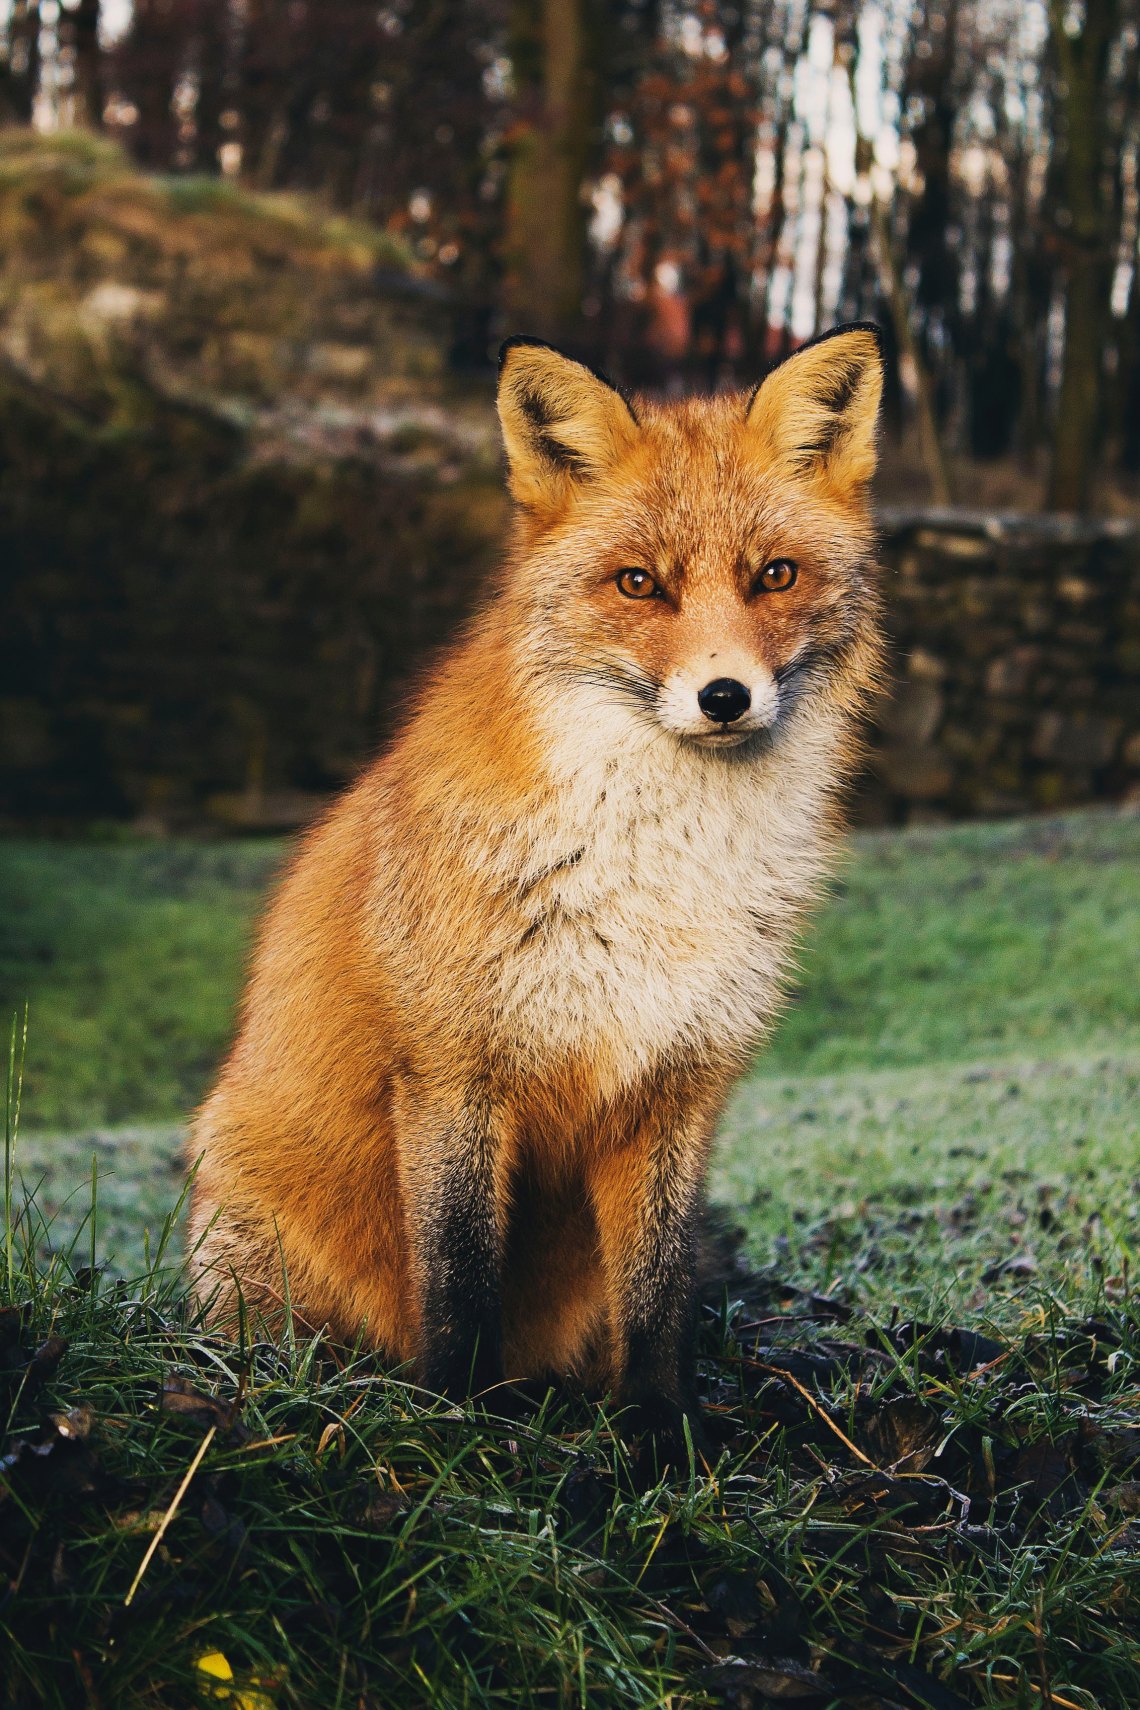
[[553, 47], [88, 64], [898, 301], [152, 58], [20, 75], [1083, 65], [896, 293], [1076, 436], [213, 53]]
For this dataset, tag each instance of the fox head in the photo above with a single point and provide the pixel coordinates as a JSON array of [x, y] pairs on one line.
[[703, 565]]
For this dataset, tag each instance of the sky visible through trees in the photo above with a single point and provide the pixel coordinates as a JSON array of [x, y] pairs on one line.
[[685, 191]]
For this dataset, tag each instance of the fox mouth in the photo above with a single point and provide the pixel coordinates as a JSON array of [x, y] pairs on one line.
[[727, 736]]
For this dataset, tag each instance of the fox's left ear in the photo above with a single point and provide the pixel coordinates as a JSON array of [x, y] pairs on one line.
[[561, 422], [819, 409]]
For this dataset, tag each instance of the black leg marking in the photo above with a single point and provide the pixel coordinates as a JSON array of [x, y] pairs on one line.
[[459, 1252], [660, 1326], [656, 1295]]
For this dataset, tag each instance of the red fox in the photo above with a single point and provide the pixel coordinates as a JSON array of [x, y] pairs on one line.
[[508, 981]]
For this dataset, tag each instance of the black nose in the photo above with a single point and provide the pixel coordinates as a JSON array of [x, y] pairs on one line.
[[724, 700]]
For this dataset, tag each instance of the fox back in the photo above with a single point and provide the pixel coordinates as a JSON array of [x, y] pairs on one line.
[[506, 984]]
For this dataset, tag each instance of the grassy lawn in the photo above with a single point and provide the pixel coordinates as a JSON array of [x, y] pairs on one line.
[[921, 1365], [940, 946], [129, 958], [950, 944]]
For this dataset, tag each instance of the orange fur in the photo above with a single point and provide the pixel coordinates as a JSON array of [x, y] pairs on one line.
[[501, 994]]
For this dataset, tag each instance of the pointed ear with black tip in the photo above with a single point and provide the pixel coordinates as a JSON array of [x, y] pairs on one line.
[[562, 423], [818, 411]]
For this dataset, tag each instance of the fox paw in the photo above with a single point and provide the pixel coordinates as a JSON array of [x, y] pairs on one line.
[[460, 1377], [662, 1430]]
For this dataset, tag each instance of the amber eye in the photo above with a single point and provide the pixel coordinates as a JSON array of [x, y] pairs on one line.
[[636, 584], [776, 576]]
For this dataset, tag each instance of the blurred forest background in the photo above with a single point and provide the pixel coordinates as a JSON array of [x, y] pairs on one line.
[[256, 257], [686, 191]]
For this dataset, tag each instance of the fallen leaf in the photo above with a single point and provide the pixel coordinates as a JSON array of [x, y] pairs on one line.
[[1021, 1265], [44, 1363], [902, 1434], [1125, 1496], [742, 1682], [180, 1397]]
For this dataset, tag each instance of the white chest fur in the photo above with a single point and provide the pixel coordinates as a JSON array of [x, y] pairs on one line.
[[660, 895]]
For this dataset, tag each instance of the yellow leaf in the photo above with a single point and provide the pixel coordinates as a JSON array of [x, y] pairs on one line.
[[216, 1665]]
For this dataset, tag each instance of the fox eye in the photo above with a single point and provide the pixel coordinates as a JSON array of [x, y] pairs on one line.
[[776, 576], [636, 584]]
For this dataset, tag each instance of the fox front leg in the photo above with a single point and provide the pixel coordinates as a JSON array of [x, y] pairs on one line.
[[457, 1247], [647, 1196]]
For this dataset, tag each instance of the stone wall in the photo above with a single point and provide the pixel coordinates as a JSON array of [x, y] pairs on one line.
[[198, 629], [203, 637], [1015, 666]]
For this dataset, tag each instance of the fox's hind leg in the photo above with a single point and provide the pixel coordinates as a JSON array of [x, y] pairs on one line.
[[236, 1273], [647, 1190], [453, 1183]]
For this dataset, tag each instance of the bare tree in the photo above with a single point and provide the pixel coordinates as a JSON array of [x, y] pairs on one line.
[[554, 48], [19, 67], [83, 28], [1082, 47]]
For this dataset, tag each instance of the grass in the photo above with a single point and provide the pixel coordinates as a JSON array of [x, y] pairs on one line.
[[941, 945], [129, 957], [920, 1367], [897, 1511], [954, 943]]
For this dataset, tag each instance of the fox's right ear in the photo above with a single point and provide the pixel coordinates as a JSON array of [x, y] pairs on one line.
[[562, 423]]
